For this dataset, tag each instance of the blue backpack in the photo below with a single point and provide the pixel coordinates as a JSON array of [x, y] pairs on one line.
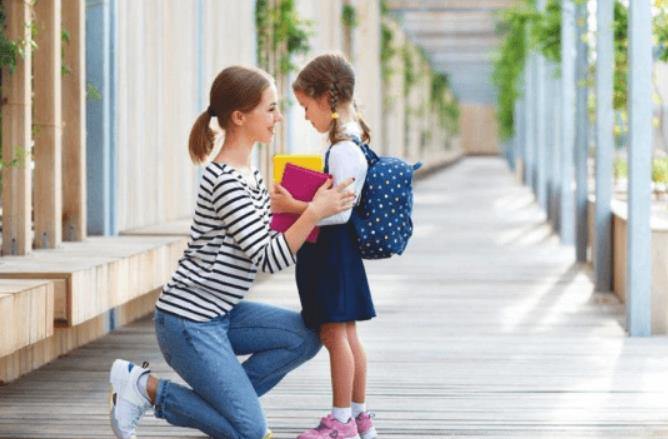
[[382, 219]]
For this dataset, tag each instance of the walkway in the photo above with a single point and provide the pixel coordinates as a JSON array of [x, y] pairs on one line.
[[486, 329]]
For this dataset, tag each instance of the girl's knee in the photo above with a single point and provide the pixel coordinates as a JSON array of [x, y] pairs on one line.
[[332, 334]]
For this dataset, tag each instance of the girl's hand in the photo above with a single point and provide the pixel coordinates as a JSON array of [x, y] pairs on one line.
[[330, 200], [281, 200]]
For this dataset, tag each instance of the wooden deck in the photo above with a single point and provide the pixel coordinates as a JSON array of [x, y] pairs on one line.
[[486, 329]]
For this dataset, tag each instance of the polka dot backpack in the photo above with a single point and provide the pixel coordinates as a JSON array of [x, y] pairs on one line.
[[382, 219]]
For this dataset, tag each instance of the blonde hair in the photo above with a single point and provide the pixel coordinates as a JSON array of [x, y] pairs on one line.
[[332, 75], [236, 88]]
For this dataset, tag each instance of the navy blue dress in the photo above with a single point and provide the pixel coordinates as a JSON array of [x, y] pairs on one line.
[[331, 278]]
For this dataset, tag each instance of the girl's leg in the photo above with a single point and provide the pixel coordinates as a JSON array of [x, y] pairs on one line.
[[222, 402], [342, 363], [359, 381], [363, 419], [275, 337]]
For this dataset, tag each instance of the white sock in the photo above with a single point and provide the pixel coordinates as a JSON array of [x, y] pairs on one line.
[[342, 414], [358, 407], [142, 382]]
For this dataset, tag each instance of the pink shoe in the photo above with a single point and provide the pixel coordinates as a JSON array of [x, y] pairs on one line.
[[330, 428], [365, 426]]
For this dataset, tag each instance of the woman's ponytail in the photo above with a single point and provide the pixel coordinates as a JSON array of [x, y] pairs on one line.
[[200, 142]]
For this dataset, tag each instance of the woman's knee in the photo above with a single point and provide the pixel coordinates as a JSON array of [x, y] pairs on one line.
[[254, 429], [311, 344]]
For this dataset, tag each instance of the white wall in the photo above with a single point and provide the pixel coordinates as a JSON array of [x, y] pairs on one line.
[[161, 89]]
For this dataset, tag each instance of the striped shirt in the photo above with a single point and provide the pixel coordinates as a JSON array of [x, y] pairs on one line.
[[230, 241]]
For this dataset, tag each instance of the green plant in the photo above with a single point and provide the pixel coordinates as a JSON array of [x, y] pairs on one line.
[[18, 160], [387, 51], [277, 27], [660, 170], [620, 168], [64, 41], [92, 92], [546, 31], [10, 50], [410, 75], [443, 103], [509, 62], [349, 16]]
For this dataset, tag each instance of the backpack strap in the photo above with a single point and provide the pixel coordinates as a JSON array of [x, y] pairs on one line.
[[369, 154]]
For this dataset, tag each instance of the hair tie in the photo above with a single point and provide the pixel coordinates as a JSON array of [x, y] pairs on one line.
[[335, 115], [210, 111]]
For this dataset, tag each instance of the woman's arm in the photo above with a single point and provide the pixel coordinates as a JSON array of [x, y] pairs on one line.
[[272, 252], [327, 201]]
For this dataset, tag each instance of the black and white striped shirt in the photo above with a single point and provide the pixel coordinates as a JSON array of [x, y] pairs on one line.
[[230, 241]]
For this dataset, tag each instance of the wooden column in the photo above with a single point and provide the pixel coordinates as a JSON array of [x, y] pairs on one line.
[[639, 239], [74, 114], [48, 126], [602, 245], [567, 205], [16, 136]]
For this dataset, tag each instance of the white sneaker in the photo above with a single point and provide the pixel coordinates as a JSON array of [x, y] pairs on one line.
[[128, 403]]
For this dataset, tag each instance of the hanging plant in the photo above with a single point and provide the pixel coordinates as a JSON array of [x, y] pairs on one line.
[[410, 75], [387, 51], [10, 50], [509, 62], [349, 16], [278, 26], [64, 41], [443, 103], [546, 31]]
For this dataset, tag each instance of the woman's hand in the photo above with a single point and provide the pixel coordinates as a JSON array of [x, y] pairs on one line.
[[281, 200], [330, 200]]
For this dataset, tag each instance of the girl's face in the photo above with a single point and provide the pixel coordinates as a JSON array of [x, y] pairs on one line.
[[262, 119], [316, 110]]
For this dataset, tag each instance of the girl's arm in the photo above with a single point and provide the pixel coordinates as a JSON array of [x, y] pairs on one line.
[[346, 160], [344, 163]]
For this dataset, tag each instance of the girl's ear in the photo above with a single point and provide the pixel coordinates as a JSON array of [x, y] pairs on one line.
[[238, 118], [323, 101]]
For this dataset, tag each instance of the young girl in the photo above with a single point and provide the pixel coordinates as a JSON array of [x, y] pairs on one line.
[[201, 321], [332, 283]]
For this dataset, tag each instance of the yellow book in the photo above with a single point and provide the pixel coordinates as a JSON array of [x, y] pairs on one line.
[[313, 162]]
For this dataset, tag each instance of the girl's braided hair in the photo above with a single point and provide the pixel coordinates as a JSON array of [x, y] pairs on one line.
[[333, 75]]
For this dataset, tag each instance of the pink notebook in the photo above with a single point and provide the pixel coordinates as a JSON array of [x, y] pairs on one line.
[[302, 183]]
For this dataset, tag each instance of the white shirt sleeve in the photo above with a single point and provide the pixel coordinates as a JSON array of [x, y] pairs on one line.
[[346, 160]]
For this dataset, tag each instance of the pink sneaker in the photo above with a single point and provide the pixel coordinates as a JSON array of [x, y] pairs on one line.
[[365, 426], [330, 428]]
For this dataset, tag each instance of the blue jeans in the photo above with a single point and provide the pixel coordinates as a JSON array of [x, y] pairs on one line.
[[222, 400]]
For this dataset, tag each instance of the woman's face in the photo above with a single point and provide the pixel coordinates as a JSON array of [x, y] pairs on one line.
[[316, 111], [262, 119]]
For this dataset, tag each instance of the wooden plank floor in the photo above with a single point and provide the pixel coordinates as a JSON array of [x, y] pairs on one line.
[[486, 329]]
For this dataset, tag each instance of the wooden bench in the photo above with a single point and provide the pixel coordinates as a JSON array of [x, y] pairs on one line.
[[100, 273], [180, 227], [26, 307]]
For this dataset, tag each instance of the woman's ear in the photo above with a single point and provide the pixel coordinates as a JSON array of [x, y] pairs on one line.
[[238, 118]]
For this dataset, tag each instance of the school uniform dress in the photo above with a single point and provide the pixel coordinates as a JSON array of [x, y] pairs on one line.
[[331, 279]]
